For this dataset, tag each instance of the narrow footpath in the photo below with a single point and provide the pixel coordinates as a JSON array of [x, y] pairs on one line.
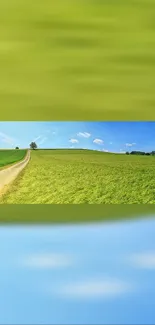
[[9, 174]]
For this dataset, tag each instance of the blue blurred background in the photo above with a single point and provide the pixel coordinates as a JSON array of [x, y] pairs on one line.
[[101, 273]]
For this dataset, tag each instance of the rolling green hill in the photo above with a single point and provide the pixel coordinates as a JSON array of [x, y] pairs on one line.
[[8, 157]]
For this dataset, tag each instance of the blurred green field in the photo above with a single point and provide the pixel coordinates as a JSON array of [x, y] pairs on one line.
[[8, 157], [77, 60], [83, 176]]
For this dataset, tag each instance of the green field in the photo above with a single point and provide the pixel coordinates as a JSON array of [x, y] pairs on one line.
[[77, 59], [83, 176], [8, 157]]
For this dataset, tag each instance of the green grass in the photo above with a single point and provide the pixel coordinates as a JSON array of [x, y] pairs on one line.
[[8, 157], [73, 213], [77, 59], [83, 176]]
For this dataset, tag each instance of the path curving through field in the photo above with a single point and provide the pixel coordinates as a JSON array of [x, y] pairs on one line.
[[9, 174]]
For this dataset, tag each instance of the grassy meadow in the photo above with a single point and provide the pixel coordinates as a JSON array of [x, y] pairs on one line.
[[74, 59], [84, 176], [8, 157]]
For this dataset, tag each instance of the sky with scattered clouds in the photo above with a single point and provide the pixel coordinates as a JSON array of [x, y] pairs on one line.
[[61, 276], [105, 136]]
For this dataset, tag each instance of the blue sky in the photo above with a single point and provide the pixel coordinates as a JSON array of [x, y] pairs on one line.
[[106, 136], [58, 275]]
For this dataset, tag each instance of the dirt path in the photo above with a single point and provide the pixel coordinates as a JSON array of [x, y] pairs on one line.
[[8, 174]]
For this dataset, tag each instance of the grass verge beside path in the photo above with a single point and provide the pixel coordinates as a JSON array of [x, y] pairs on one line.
[[9, 157]]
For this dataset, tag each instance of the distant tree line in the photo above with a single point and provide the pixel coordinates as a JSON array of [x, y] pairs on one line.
[[141, 153]]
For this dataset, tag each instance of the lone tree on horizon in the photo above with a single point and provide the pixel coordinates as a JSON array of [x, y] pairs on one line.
[[33, 145], [17, 148]]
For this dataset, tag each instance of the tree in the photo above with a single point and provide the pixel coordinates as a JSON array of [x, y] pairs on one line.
[[142, 153], [33, 145], [17, 148], [127, 153]]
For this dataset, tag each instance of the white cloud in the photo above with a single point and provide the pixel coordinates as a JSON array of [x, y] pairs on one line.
[[144, 260], [47, 261], [6, 139], [73, 141], [96, 288], [84, 134], [130, 144], [49, 131], [105, 150], [98, 141], [37, 138], [42, 140]]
